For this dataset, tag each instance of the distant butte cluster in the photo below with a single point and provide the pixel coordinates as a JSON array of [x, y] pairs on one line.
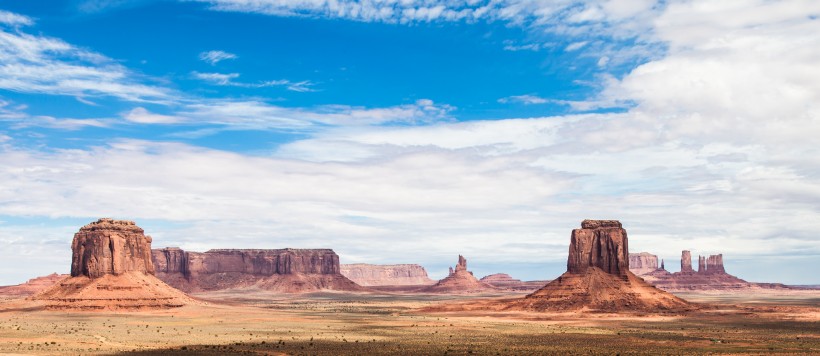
[[710, 276]]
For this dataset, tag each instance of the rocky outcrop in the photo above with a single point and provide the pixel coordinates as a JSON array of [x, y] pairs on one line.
[[714, 264], [111, 268], [110, 246], [598, 277], [285, 270], [642, 263], [686, 262], [601, 244], [386, 275], [460, 280], [505, 281]]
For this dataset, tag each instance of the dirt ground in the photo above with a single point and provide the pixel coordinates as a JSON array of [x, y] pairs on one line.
[[261, 323]]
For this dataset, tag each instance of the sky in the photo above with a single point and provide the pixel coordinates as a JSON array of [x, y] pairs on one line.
[[412, 131]]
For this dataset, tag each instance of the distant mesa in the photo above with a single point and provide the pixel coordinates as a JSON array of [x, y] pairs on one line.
[[32, 286], [598, 277], [111, 268], [460, 280], [386, 275], [642, 263], [280, 270], [505, 281]]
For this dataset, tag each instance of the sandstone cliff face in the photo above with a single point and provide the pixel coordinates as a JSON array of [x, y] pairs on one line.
[[386, 275], [686, 262], [110, 246], [310, 269], [601, 244], [642, 263]]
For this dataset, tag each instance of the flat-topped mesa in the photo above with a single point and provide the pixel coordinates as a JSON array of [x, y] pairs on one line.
[[285, 270], [599, 243], [386, 275], [642, 263], [686, 262], [268, 262], [109, 246]]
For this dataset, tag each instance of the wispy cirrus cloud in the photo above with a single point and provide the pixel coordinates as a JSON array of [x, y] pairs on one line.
[[12, 19], [45, 65], [228, 79], [214, 57]]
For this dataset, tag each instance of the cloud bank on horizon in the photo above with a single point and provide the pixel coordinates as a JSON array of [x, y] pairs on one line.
[[413, 131]]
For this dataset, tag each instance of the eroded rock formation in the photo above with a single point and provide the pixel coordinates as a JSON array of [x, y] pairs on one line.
[[285, 270], [111, 268], [110, 246], [460, 280], [598, 277], [642, 263], [601, 244], [711, 275], [386, 275]]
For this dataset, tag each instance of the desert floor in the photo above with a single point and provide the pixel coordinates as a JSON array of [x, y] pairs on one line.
[[258, 323]]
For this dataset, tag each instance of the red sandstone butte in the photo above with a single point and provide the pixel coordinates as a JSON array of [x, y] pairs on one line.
[[460, 280], [598, 277], [111, 268]]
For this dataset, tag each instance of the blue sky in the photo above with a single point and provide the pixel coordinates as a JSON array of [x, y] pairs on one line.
[[413, 131]]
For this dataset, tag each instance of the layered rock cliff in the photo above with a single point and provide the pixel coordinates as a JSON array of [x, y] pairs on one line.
[[285, 270], [599, 243], [110, 246], [386, 275], [642, 263]]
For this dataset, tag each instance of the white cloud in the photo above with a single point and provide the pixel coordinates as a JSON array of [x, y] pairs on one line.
[[228, 80], [45, 65], [214, 57], [526, 99], [254, 114], [12, 19], [142, 116]]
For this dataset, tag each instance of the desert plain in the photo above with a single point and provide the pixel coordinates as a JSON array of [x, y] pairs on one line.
[[332, 323]]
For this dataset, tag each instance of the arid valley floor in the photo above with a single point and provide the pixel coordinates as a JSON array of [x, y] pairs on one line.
[[262, 323]]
